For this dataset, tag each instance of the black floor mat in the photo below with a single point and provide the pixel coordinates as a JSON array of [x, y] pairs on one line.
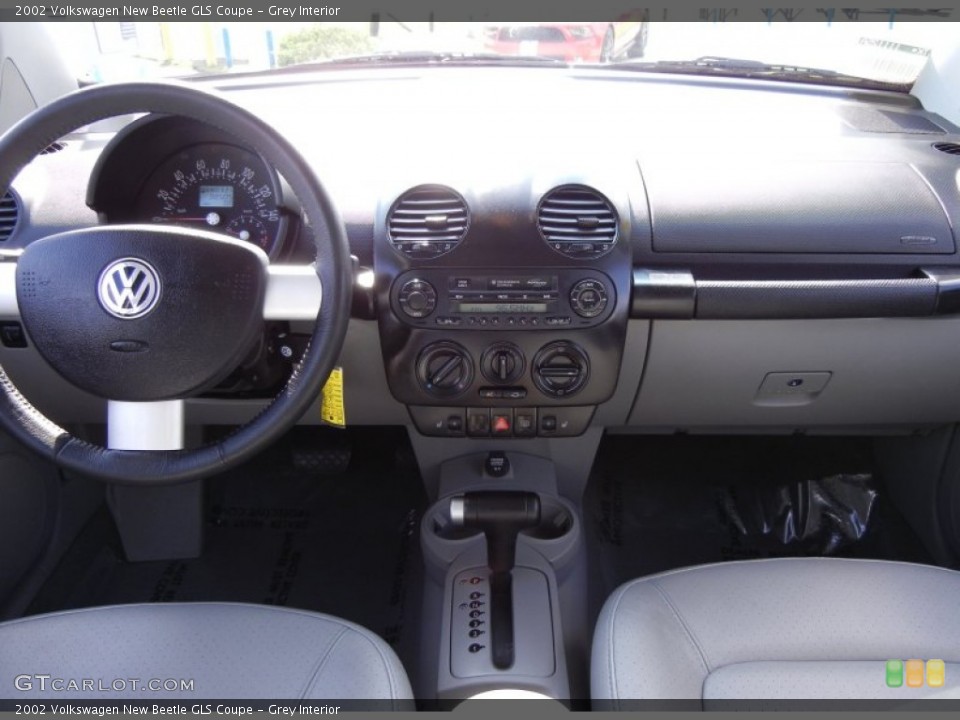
[[659, 503], [284, 529]]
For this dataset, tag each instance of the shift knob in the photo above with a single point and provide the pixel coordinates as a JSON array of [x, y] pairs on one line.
[[500, 515]]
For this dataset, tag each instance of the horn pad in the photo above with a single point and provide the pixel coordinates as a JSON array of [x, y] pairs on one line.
[[139, 312]]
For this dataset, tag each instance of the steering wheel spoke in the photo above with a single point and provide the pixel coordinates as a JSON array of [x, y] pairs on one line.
[[145, 425], [9, 309], [293, 293]]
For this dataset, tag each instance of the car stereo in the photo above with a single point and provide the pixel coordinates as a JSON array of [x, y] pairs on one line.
[[445, 298]]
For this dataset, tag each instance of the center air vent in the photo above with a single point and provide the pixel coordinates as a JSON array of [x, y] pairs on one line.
[[9, 214], [577, 221], [427, 221], [949, 148]]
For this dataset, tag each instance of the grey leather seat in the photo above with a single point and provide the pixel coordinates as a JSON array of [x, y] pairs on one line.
[[796, 628], [230, 651]]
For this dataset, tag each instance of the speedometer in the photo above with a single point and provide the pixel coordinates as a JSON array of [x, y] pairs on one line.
[[217, 187]]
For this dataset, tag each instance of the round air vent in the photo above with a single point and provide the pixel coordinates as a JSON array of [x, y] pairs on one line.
[[948, 148], [427, 221], [577, 221], [9, 214]]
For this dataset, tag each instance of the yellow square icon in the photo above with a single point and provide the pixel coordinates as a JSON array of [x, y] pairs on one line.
[[936, 673], [914, 673]]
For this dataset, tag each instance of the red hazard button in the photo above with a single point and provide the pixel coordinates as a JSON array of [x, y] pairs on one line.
[[501, 424]]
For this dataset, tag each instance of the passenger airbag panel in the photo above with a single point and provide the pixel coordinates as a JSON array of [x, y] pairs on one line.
[[715, 205]]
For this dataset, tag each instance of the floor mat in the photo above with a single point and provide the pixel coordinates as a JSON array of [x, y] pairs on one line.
[[659, 503], [285, 529]]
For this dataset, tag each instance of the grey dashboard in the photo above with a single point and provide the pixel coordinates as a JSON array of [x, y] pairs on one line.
[[784, 257]]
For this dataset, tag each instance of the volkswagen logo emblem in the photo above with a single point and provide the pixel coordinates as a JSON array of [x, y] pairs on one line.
[[128, 288]]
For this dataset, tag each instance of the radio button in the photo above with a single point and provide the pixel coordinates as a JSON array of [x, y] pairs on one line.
[[588, 298], [417, 301], [417, 298]]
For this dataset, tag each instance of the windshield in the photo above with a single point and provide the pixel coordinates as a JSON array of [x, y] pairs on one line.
[[890, 51]]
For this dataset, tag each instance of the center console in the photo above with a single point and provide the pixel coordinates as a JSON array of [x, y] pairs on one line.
[[503, 315], [462, 633], [502, 312]]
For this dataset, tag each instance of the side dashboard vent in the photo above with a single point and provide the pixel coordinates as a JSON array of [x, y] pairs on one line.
[[948, 148], [54, 147], [428, 221], [9, 215], [577, 221]]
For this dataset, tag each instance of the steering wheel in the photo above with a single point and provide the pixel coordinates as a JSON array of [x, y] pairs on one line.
[[147, 316]]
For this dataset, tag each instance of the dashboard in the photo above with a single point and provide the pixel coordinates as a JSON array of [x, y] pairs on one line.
[[582, 248]]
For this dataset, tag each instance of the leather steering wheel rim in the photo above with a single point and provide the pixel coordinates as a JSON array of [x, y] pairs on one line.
[[333, 266]]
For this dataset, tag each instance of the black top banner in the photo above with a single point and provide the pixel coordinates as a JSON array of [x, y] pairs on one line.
[[436, 11]]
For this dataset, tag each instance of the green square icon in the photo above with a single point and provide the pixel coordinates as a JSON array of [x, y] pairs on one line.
[[894, 673]]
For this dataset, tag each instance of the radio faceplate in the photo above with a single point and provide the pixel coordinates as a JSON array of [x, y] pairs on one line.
[[459, 299]]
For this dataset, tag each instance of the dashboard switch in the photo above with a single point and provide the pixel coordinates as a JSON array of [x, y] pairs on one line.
[[502, 422], [525, 424], [438, 421], [12, 335], [478, 422]]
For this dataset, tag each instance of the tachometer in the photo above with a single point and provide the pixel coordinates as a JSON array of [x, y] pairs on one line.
[[217, 187]]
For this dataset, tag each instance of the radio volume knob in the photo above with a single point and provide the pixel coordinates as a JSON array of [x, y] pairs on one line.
[[588, 298], [417, 298]]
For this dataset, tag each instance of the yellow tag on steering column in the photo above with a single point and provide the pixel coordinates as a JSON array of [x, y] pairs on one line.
[[331, 405]]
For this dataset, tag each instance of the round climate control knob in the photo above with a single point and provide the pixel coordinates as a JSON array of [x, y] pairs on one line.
[[588, 298], [444, 369], [560, 369], [502, 363], [417, 298]]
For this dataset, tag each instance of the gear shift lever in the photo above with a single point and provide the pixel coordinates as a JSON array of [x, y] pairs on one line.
[[501, 515]]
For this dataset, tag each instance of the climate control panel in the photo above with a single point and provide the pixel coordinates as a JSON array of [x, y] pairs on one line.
[[502, 352], [450, 299]]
